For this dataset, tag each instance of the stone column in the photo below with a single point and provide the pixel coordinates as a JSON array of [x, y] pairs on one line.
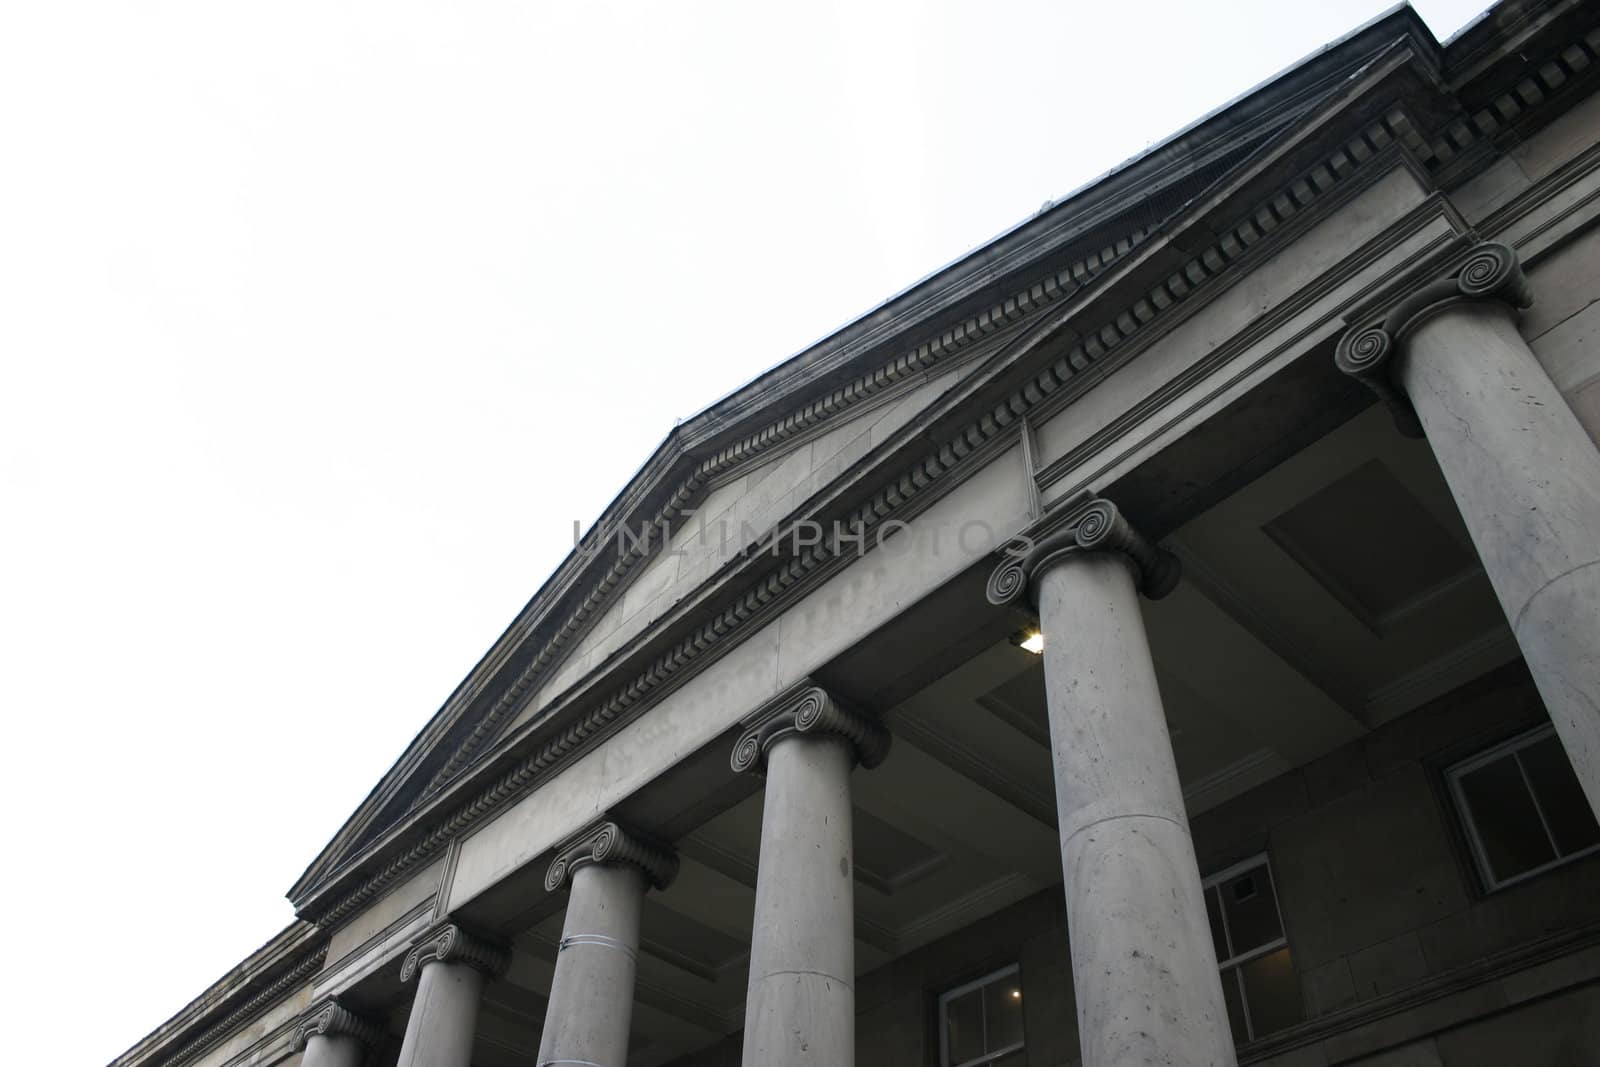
[[444, 1016], [1144, 969], [800, 1007], [331, 1035], [591, 996], [1525, 475]]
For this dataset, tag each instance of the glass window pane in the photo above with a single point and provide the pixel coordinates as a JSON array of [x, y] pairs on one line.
[[1252, 912], [1003, 1011], [963, 1026], [1214, 913], [1507, 823], [1230, 994], [1018, 1058], [1273, 991], [1566, 809]]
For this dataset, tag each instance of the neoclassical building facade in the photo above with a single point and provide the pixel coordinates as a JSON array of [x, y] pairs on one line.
[[1169, 634]]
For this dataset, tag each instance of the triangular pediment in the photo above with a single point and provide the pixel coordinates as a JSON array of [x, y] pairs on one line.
[[829, 412]]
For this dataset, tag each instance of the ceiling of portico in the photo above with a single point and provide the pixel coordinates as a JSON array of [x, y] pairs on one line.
[[1294, 631]]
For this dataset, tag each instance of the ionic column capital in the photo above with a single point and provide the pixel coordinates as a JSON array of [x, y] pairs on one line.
[[450, 943], [607, 843], [1095, 525], [329, 1019], [1490, 272], [810, 712]]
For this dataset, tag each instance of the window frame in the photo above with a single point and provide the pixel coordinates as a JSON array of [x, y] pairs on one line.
[[1469, 824], [1232, 968], [988, 1055]]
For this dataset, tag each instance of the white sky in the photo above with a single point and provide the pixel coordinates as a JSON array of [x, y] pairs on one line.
[[321, 322]]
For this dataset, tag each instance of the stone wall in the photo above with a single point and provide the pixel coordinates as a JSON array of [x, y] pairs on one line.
[[1390, 931], [1563, 326]]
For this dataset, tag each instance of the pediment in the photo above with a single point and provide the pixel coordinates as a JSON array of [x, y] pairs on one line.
[[839, 411]]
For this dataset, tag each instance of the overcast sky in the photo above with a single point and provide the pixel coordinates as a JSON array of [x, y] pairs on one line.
[[321, 323]]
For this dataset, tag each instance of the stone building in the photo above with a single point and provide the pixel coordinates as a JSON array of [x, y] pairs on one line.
[[1282, 434]]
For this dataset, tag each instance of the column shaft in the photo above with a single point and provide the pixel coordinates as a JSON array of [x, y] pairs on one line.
[[800, 1010], [444, 1016], [1526, 477], [332, 1050], [591, 996], [1143, 965]]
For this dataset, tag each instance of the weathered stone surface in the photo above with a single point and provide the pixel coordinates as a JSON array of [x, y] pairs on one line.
[[800, 1009], [1343, 887], [591, 998], [1564, 283], [333, 1050], [1562, 1031], [1387, 966], [444, 1016], [1327, 987], [1144, 969], [1526, 476]]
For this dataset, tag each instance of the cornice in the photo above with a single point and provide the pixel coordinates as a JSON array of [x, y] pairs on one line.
[[586, 715], [331, 1019], [811, 712], [204, 1020], [1515, 96], [286, 982], [451, 943], [1092, 524], [608, 844], [1490, 273]]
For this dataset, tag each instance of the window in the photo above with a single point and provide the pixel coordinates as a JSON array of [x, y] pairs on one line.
[[1259, 981], [1523, 809], [980, 1023]]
